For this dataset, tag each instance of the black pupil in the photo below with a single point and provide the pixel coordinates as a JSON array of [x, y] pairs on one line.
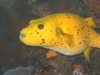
[[40, 26]]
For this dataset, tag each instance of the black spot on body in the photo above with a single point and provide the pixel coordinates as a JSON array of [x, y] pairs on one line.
[[61, 44], [85, 37], [79, 42], [41, 43], [88, 30], [50, 30], [51, 17], [30, 33], [31, 26], [87, 22], [82, 28], [65, 46], [58, 42], [43, 40], [78, 30], [77, 33], [83, 40], [37, 32], [54, 15], [61, 38], [74, 17], [68, 17], [66, 14]]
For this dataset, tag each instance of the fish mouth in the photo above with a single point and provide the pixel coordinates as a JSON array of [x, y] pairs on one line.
[[22, 36]]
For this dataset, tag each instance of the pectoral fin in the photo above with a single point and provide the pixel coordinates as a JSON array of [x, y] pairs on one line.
[[87, 53], [69, 38]]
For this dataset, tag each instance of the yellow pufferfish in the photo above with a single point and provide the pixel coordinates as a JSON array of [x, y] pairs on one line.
[[65, 33]]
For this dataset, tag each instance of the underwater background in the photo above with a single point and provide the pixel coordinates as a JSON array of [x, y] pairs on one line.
[[19, 59]]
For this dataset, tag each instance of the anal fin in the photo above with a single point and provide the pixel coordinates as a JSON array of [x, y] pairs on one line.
[[87, 53]]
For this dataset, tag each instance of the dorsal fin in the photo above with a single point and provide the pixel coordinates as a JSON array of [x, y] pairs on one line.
[[91, 22]]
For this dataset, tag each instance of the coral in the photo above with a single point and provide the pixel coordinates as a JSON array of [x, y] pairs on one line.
[[51, 53], [77, 70], [20, 71]]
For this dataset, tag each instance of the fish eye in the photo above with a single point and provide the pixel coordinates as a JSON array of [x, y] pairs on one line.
[[40, 26]]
